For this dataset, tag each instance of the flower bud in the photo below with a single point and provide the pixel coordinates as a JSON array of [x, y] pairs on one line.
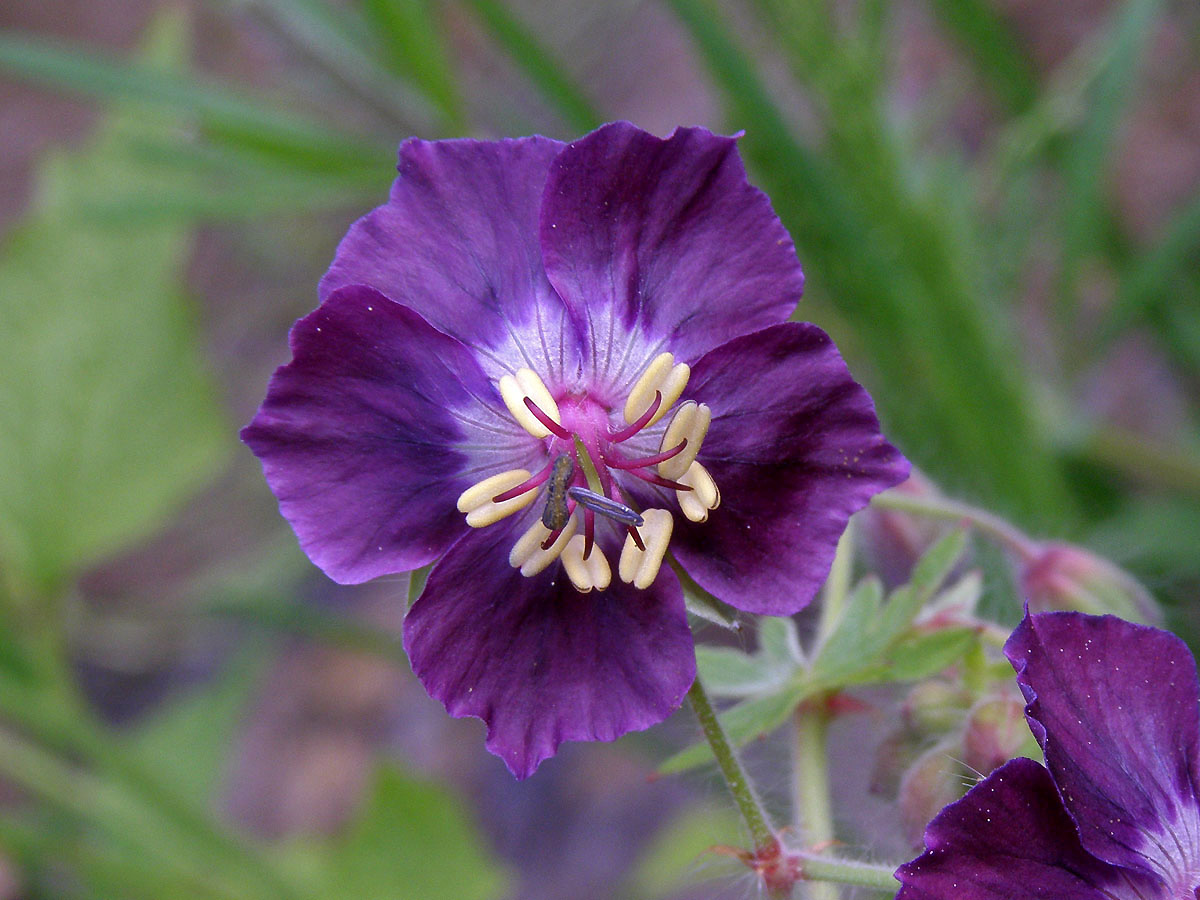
[[995, 732], [934, 781], [1067, 577]]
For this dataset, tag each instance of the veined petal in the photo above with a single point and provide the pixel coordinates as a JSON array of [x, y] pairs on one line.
[[1009, 838], [795, 448], [540, 662], [458, 242], [652, 241], [371, 432], [1114, 706]]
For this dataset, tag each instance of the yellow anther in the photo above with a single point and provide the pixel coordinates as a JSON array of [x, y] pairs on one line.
[[526, 383], [585, 574], [476, 501], [661, 375], [703, 496], [527, 553], [691, 421], [640, 567]]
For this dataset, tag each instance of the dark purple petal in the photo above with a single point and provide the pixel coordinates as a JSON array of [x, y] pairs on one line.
[[795, 449], [1009, 838], [369, 435], [1114, 706], [663, 240], [458, 242], [539, 662]]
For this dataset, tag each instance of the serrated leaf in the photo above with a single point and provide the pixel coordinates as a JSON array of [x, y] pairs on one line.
[[936, 563], [856, 639], [744, 722], [414, 842], [730, 673], [109, 420], [778, 641], [922, 655]]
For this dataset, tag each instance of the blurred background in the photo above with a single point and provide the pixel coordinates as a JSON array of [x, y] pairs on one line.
[[997, 204]]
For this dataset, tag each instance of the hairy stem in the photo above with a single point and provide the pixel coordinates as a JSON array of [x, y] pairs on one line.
[[735, 776]]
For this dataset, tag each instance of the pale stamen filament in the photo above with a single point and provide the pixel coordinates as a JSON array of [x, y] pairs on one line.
[[525, 383], [479, 504], [689, 424], [587, 570], [639, 566], [530, 556], [663, 376], [703, 496]]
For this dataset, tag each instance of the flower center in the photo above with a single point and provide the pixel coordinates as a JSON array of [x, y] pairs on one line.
[[588, 458]]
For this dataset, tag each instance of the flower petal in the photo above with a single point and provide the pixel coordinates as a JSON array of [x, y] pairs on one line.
[[795, 449], [539, 662], [1009, 838], [663, 241], [370, 433], [1114, 706], [458, 242]]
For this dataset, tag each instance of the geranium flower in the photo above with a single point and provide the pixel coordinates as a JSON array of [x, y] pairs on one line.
[[1114, 814], [549, 368]]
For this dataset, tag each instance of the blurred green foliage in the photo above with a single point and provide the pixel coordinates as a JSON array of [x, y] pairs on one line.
[[917, 255]]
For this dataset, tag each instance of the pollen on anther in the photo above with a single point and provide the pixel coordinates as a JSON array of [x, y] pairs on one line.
[[526, 383], [527, 553], [640, 567], [690, 423], [703, 496], [661, 375], [481, 510], [586, 573]]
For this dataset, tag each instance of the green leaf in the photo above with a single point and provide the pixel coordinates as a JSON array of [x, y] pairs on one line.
[[778, 641], [922, 655], [681, 853], [291, 140], [414, 842], [109, 421], [730, 673], [187, 745], [546, 74], [744, 722]]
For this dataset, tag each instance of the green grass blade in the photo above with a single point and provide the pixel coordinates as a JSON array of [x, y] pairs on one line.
[[291, 140], [1149, 279], [1086, 156], [887, 261], [342, 43], [413, 45], [992, 49], [539, 65]]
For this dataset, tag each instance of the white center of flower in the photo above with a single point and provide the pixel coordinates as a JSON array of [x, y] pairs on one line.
[[584, 466]]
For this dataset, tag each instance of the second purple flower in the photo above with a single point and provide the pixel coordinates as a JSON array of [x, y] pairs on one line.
[[548, 368]]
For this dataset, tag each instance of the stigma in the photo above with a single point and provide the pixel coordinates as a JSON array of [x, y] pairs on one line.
[[587, 474]]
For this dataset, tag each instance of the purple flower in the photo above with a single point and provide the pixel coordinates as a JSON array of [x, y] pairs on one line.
[[524, 319], [1114, 814]]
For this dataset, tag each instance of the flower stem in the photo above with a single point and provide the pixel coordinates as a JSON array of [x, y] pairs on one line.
[[845, 871], [812, 802], [934, 507], [735, 776]]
